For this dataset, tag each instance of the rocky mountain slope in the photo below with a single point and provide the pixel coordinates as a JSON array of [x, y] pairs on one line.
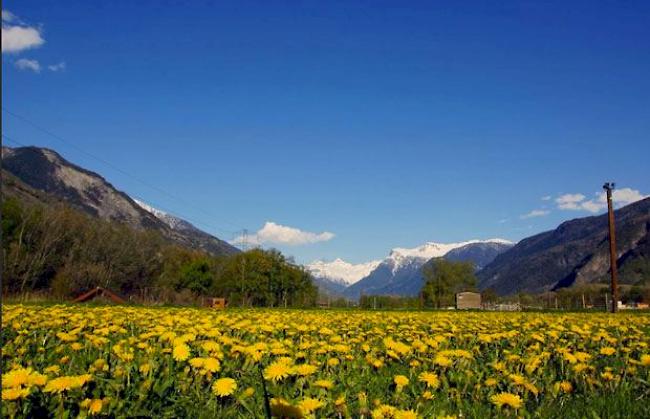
[[53, 178], [480, 254], [400, 273], [576, 252]]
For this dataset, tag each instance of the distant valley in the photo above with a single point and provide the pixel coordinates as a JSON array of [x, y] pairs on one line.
[[400, 272], [576, 252]]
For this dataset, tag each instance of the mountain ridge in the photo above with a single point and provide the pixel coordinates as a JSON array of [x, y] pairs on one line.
[[46, 171], [400, 272], [577, 251], [341, 271]]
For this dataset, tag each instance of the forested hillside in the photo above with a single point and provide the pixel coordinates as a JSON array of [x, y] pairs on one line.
[[60, 250]]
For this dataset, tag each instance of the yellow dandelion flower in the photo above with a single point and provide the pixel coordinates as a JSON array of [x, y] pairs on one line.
[[517, 379], [326, 384], [607, 376], [212, 364], [507, 399], [400, 381], [224, 387], [52, 369], [144, 368], [181, 352], [491, 382], [37, 379], [305, 369], [384, 411], [405, 414], [607, 351], [277, 371], [363, 399], [442, 361], [283, 409], [430, 378], [582, 356], [197, 362], [578, 368], [645, 360], [95, 406], [565, 386], [15, 378], [309, 405], [570, 358], [14, 393], [64, 383]]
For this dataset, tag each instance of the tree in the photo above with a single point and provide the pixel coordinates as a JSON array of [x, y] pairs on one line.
[[489, 295], [263, 278], [197, 276], [62, 250], [443, 279]]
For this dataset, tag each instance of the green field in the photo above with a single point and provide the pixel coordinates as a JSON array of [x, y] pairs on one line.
[[114, 361]]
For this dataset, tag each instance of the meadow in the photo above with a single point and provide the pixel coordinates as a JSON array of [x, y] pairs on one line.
[[117, 361]]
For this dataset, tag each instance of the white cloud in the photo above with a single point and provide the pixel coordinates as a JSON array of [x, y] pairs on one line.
[[57, 67], [535, 213], [25, 64], [20, 38], [273, 233], [579, 202], [624, 196], [546, 198], [570, 201], [17, 36]]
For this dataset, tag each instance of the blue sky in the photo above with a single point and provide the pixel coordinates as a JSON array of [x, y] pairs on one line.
[[383, 124]]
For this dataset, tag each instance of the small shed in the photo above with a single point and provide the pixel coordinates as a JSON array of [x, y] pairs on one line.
[[468, 300], [216, 303], [99, 291]]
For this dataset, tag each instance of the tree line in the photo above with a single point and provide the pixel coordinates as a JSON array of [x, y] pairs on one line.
[[65, 252]]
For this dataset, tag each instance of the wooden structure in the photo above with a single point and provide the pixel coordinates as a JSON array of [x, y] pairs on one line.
[[468, 300], [96, 292], [216, 303]]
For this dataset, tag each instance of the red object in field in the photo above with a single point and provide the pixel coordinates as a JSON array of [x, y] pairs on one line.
[[96, 292]]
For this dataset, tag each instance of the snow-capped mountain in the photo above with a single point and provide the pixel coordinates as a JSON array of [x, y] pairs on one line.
[[341, 271], [400, 273], [198, 238], [400, 256], [172, 221]]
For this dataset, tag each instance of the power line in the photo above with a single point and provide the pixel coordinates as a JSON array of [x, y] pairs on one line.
[[13, 141], [111, 165], [114, 167], [155, 205]]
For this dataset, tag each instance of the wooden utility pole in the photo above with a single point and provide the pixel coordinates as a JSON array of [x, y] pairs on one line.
[[612, 245]]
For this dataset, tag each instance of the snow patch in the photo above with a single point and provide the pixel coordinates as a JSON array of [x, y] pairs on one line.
[[401, 256], [341, 271], [173, 222]]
